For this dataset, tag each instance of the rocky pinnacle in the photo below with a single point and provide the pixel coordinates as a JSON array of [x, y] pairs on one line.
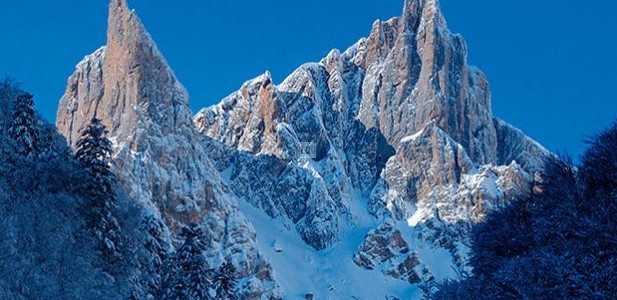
[[158, 156]]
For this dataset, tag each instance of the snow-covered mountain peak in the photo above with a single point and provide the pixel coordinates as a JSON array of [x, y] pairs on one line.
[[398, 122], [391, 140]]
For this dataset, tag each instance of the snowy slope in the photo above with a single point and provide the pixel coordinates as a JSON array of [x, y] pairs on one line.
[[328, 274]]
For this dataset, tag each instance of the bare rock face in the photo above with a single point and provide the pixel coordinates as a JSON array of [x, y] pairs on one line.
[[126, 81], [417, 72], [159, 157], [425, 162]]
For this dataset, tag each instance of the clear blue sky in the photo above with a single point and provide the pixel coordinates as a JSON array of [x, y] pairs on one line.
[[552, 65]]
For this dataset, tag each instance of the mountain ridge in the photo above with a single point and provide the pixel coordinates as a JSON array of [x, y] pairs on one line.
[[390, 140]]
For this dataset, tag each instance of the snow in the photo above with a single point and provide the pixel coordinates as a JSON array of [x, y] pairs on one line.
[[438, 260], [96, 56], [417, 217], [412, 137], [310, 165], [327, 274], [485, 181]]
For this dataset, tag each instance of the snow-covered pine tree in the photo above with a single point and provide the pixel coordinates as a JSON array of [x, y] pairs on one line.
[[225, 282], [94, 155], [24, 128], [158, 248], [188, 275]]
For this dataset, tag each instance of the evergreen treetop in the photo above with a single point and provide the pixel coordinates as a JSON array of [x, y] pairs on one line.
[[24, 128], [94, 152], [225, 282], [189, 274]]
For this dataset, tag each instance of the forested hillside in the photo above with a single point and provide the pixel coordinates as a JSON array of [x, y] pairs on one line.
[[46, 251], [68, 232]]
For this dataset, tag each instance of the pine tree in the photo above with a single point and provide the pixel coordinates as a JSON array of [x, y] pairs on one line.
[[225, 282], [94, 155], [9, 91], [599, 164], [157, 249], [188, 272], [24, 128]]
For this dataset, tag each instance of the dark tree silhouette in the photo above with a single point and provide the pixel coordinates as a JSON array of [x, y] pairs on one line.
[[24, 127], [225, 282]]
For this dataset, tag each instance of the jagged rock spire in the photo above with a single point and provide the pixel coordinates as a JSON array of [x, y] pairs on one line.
[[124, 28], [417, 72], [412, 12], [158, 156], [416, 12], [127, 84]]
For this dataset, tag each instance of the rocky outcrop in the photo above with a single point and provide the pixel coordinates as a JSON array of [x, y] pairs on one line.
[[159, 157], [385, 248], [432, 176], [297, 157], [283, 190], [514, 145]]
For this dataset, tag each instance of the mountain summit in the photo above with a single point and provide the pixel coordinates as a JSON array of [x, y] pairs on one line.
[[365, 169]]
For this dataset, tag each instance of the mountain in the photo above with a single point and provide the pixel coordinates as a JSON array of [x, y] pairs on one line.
[[158, 155], [359, 175]]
